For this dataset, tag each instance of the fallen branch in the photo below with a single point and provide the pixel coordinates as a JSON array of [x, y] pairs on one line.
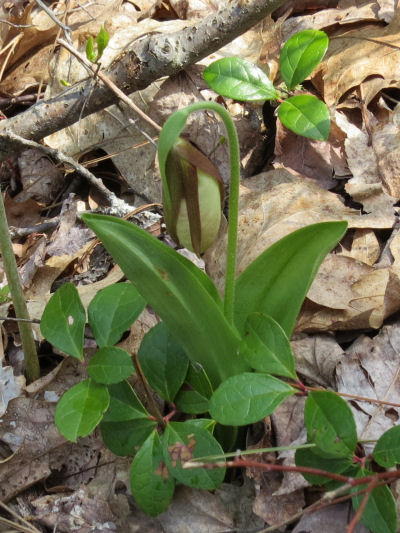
[[149, 59]]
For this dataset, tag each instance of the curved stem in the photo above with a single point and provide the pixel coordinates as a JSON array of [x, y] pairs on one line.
[[234, 159]]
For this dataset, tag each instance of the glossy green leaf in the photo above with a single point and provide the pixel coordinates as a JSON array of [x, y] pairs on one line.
[[63, 321], [110, 365], [124, 438], [191, 402], [183, 441], [266, 346], [247, 398], [277, 282], [309, 459], [305, 115], [112, 312], [124, 404], [152, 484], [180, 293], [301, 54], [330, 424], [163, 361], [380, 513], [102, 41], [90, 53], [237, 78], [81, 408], [387, 449]]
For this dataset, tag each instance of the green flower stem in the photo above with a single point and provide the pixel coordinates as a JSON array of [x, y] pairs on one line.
[[17, 295], [234, 157]]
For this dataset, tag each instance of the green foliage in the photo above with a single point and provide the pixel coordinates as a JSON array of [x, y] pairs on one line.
[[163, 362], [101, 43], [380, 513], [301, 54], [81, 409], [387, 449], [112, 311], [239, 79], [152, 484], [266, 346], [63, 321], [203, 359], [110, 365], [247, 398], [306, 115]]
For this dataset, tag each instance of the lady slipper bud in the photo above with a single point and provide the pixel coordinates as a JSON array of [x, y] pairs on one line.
[[196, 191]]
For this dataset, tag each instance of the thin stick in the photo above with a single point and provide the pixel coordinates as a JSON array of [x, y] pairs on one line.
[[115, 202], [66, 29], [99, 74]]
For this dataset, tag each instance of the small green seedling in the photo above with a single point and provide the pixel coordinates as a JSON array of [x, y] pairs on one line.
[[225, 362], [101, 43], [240, 79]]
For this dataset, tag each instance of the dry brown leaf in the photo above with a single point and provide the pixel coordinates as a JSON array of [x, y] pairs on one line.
[[366, 185], [371, 369], [330, 519], [352, 57], [365, 247]]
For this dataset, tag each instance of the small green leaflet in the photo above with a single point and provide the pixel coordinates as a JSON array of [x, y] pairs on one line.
[[182, 442], [247, 398], [124, 404], [266, 346], [239, 79], [305, 115], [110, 365], [112, 312], [102, 41], [163, 361], [81, 409], [63, 321], [387, 449], [301, 54], [152, 484], [330, 424], [123, 438], [90, 53], [380, 513]]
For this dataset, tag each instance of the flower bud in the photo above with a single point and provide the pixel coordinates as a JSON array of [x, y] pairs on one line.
[[196, 190]]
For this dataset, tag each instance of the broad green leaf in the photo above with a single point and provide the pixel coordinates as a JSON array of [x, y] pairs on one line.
[[163, 361], [183, 441], [239, 79], [387, 449], [63, 321], [81, 408], [112, 312], [90, 53], [110, 365], [301, 54], [191, 402], [380, 513], [267, 347], [206, 423], [330, 424], [277, 282], [183, 296], [124, 404], [309, 459], [247, 398], [102, 41], [123, 438], [152, 484], [305, 115]]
